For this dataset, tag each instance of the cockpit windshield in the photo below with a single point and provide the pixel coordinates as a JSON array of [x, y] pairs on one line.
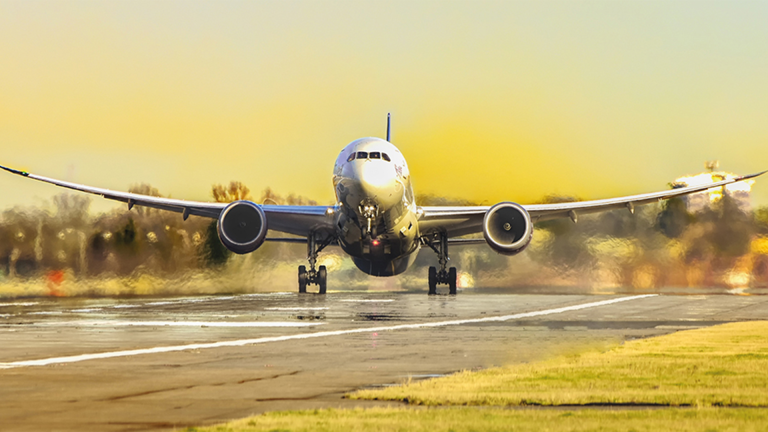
[[368, 155]]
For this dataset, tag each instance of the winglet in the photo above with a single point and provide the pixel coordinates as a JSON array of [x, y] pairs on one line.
[[389, 118], [11, 170], [749, 176]]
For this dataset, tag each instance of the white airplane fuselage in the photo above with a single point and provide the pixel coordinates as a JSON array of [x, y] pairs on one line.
[[377, 221]]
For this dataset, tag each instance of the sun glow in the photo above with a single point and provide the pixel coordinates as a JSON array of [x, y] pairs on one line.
[[698, 201]]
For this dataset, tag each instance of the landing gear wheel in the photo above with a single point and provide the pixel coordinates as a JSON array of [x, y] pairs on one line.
[[452, 281], [322, 276], [302, 279], [432, 281], [438, 242]]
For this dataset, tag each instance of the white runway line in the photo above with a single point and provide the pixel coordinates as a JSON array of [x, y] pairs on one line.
[[138, 305], [195, 300], [242, 342], [367, 300]]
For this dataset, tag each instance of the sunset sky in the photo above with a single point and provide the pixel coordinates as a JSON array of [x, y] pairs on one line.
[[491, 101]]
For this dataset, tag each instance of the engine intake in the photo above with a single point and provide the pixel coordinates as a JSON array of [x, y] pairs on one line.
[[242, 227], [507, 228]]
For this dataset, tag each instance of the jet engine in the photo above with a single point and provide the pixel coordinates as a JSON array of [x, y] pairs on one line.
[[242, 227], [507, 228]]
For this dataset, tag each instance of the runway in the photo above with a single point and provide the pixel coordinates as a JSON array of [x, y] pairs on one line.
[[160, 364]]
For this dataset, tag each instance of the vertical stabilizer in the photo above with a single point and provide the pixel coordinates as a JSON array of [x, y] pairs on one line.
[[389, 122]]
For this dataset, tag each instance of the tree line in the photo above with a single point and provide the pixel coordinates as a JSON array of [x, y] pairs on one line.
[[660, 245]]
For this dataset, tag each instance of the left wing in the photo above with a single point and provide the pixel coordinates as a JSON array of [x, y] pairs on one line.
[[459, 221], [297, 220]]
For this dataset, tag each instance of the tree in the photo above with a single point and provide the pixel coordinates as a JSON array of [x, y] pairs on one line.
[[214, 252], [144, 189], [72, 209], [235, 191], [674, 218]]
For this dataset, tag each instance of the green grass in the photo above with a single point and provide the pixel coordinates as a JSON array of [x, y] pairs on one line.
[[717, 366], [495, 419], [717, 371]]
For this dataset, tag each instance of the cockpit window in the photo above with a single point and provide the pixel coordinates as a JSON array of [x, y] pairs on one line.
[[362, 155], [351, 157], [386, 157], [374, 155]]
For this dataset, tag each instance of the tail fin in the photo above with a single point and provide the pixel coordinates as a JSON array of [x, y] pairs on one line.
[[389, 118]]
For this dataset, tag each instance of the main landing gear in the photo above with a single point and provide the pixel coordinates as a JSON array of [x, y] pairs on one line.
[[439, 243], [314, 277]]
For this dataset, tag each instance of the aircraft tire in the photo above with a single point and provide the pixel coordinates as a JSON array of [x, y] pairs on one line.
[[322, 277], [302, 279], [452, 280], [432, 281]]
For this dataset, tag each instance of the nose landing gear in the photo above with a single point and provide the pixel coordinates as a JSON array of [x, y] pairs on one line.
[[314, 276], [439, 243], [370, 212]]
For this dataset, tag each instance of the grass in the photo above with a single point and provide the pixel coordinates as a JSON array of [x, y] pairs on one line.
[[725, 365], [716, 372], [459, 419]]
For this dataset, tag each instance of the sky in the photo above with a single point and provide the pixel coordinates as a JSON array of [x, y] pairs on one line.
[[491, 101]]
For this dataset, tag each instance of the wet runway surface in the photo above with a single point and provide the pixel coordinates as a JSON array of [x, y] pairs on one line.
[[160, 364]]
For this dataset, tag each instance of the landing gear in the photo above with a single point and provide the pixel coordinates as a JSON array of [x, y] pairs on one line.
[[317, 277], [439, 243], [322, 276], [432, 281], [452, 280], [302, 279]]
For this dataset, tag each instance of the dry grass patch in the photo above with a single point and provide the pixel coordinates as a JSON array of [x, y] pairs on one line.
[[725, 365]]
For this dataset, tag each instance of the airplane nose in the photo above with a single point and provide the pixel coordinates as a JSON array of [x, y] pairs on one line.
[[379, 181]]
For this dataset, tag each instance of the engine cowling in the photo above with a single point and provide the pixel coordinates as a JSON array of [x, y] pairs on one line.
[[242, 227], [507, 228]]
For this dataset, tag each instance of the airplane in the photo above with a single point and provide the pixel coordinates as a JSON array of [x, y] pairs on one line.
[[376, 220]]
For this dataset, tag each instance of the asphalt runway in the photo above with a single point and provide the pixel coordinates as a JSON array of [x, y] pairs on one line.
[[164, 364]]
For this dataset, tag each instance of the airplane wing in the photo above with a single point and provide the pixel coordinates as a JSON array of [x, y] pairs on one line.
[[459, 221], [297, 220]]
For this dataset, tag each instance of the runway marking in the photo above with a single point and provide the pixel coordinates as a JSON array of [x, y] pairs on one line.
[[108, 323], [243, 342], [295, 308], [198, 300], [367, 300], [105, 308]]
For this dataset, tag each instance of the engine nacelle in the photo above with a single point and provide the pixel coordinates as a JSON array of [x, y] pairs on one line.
[[242, 227], [507, 228]]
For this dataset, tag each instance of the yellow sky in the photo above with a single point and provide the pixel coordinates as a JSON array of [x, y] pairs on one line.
[[491, 101]]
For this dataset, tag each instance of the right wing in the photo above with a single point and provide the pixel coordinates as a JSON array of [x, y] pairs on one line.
[[297, 220], [464, 220]]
